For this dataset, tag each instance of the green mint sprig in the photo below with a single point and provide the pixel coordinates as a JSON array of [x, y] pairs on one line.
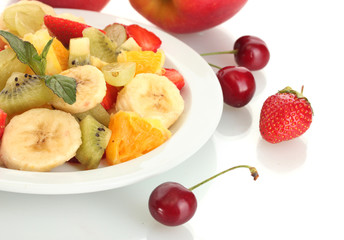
[[62, 86]]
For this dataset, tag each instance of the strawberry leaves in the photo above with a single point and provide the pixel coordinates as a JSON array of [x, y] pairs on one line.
[[62, 86]]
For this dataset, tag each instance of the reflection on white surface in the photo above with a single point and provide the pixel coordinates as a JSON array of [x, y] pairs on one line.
[[114, 214], [158, 232], [234, 121], [283, 157]]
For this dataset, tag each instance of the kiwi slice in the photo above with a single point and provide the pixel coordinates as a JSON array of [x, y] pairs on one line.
[[98, 112], [129, 45], [117, 33], [95, 137], [79, 52], [9, 63], [118, 74], [23, 92], [100, 45]]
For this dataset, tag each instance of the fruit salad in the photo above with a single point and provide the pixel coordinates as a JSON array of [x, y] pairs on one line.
[[71, 92]]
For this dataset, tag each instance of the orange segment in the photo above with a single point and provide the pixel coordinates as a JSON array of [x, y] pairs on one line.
[[133, 136], [146, 61], [61, 53]]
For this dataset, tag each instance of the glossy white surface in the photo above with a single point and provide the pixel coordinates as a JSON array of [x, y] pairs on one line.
[[299, 192]]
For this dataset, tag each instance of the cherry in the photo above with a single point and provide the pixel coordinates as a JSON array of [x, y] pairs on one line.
[[238, 85], [172, 204], [252, 52], [249, 51]]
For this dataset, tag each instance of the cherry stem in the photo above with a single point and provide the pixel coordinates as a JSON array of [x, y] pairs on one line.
[[215, 66], [253, 170], [216, 53]]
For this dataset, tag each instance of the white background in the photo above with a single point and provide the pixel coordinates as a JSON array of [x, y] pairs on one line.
[[299, 192]]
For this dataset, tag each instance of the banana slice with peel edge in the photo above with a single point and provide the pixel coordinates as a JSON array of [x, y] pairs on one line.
[[40, 139], [90, 89], [152, 96]]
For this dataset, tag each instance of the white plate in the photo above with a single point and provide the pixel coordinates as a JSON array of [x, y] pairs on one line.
[[203, 109]]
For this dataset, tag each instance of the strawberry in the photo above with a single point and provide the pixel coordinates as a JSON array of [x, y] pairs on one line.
[[110, 96], [147, 40], [64, 29], [174, 76], [3, 116], [285, 115], [2, 44]]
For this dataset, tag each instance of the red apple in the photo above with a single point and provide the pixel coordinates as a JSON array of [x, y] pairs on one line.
[[186, 16], [93, 5]]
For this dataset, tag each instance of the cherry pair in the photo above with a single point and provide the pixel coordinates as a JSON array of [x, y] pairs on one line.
[[237, 83]]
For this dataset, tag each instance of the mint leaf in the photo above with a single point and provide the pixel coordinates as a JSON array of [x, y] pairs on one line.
[[18, 45], [43, 56], [35, 62], [62, 86], [27, 53], [46, 49]]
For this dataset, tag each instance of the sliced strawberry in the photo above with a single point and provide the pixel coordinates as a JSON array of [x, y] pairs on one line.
[[64, 29], [2, 44], [175, 77], [110, 97], [147, 40], [3, 116]]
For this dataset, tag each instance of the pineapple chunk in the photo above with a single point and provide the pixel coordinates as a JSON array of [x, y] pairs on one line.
[[39, 39], [79, 51]]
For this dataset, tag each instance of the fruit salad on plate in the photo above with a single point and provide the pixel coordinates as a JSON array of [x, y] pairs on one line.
[[70, 92]]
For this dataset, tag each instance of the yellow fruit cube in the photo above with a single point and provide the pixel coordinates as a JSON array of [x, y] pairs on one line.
[[39, 39]]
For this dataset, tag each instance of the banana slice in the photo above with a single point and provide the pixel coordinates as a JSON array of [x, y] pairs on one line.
[[152, 96], [90, 89], [40, 139]]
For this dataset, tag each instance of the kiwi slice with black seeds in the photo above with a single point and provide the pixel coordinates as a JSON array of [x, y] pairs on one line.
[[23, 92], [95, 137], [79, 52]]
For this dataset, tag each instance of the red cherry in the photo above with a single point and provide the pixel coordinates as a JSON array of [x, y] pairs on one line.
[[172, 204], [252, 52], [238, 85], [249, 51]]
